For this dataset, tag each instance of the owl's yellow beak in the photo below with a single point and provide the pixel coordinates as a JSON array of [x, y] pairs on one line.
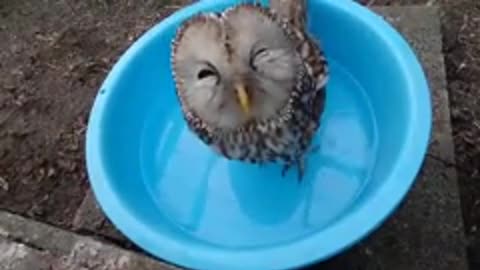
[[243, 97]]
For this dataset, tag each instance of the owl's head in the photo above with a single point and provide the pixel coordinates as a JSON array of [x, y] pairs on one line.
[[234, 67]]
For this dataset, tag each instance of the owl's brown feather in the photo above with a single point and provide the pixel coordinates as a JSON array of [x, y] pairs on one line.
[[280, 135], [295, 11]]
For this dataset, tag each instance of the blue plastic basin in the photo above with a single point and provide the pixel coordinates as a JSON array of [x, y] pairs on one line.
[[176, 199]]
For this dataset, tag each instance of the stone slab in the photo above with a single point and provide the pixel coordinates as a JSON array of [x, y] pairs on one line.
[[427, 230], [27, 244], [16, 256]]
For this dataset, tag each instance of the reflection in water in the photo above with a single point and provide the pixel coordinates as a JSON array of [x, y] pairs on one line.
[[242, 205], [262, 194]]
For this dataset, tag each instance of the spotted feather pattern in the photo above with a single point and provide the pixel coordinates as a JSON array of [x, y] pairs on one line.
[[287, 137]]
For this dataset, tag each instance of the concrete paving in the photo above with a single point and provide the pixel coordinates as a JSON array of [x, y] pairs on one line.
[[425, 233], [30, 245]]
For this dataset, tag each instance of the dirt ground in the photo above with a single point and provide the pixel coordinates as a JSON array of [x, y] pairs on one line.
[[53, 57], [461, 27], [55, 53]]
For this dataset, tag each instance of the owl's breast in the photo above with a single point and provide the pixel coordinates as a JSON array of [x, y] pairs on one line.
[[271, 141]]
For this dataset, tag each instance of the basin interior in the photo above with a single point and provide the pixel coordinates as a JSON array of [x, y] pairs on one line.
[[173, 183]]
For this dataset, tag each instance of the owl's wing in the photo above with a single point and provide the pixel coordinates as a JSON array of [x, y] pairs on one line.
[[315, 59]]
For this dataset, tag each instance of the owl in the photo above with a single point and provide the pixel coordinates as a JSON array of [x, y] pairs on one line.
[[251, 82]]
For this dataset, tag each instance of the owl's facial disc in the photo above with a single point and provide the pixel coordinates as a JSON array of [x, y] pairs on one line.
[[235, 68]]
